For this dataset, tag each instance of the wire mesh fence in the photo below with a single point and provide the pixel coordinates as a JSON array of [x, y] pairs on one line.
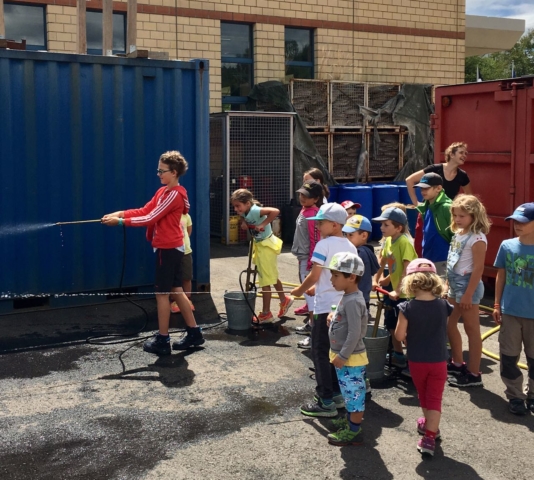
[[377, 96], [386, 160], [346, 148], [257, 155], [322, 142], [310, 98], [345, 101]]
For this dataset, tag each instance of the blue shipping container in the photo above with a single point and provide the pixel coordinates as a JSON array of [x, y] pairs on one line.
[[80, 137]]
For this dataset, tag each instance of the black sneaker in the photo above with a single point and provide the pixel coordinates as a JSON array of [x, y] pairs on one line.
[[517, 406], [158, 344], [530, 404], [466, 380], [304, 330], [455, 371], [319, 409], [193, 338]]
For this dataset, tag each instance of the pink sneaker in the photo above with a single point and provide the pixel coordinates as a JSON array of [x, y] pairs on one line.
[[421, 427], [264, 318], [302, 310], [426, 445], [175, 308]]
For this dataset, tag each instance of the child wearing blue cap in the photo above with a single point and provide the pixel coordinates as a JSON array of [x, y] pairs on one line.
[[397, 253], [357, 230], [514, 308]]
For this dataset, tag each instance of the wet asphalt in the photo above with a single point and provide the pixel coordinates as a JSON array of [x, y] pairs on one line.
[[71, 409]]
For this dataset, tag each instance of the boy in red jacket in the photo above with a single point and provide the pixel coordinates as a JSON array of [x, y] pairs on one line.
[[162, 216]]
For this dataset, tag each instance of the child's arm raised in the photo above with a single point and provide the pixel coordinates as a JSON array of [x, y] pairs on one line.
[[499, 288], [479, 255], [271, 214]]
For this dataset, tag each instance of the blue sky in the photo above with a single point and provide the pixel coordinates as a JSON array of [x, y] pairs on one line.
[[503, 8]]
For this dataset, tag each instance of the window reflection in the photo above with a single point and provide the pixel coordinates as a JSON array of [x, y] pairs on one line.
[[26, 22]]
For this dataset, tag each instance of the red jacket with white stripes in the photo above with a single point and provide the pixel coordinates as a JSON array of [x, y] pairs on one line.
[[162, 217]]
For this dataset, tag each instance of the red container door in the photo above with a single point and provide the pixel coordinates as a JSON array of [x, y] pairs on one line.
[[495, 119]]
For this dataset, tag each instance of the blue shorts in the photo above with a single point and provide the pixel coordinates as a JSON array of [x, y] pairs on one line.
[[352, 384], [458, 285]]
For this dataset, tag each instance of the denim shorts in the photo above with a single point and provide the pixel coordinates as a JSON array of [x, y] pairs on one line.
[[352, 384], [458, 285]]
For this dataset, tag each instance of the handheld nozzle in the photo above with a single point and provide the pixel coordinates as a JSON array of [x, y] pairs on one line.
[[79, 221]]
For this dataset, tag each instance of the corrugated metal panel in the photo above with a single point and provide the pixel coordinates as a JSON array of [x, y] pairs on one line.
[[80, 136]]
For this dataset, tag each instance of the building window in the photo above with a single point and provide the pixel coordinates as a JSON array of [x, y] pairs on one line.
[[237, 64], [94, 33], [299, 53], [26, 22]]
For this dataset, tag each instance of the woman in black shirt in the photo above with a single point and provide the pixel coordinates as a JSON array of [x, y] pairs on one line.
[[453, 176]]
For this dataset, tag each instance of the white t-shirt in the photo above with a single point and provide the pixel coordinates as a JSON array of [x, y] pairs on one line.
[[465, 263], [325, 294]]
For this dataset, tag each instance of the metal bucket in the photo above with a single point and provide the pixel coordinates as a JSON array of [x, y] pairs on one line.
[[237, 311], [377, 348]]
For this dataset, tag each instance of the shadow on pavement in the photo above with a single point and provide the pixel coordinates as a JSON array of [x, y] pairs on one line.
[[172, 371], [498, 407], [445, 467]]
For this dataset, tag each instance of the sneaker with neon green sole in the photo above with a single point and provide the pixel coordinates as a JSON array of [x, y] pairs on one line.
[[345, 437]]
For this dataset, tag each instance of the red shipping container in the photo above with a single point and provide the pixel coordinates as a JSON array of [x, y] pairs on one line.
[[496, 120]]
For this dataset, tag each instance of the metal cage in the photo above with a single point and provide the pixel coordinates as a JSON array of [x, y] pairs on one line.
[[346, 148], [323, 143], [252, 150], [345, 101], [310, 98], [378, 95], [387, 161]]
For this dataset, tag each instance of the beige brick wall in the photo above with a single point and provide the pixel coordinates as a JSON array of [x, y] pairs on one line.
[[374, 57], [339, 54], [61, 28], [269, 52], [430, 14]]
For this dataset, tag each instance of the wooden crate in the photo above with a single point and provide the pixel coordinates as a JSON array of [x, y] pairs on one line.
[[378, 95], [323, 143], [386, 163]]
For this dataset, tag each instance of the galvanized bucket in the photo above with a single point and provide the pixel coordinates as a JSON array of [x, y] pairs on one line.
[[377, 348], [238, 312]]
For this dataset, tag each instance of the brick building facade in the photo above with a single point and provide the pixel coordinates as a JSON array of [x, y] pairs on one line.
[[366, 40]]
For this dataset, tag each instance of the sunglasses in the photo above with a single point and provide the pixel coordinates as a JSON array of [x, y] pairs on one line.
[[161, 172]]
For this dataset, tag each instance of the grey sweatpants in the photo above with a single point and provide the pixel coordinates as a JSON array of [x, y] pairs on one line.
[[515, 333]]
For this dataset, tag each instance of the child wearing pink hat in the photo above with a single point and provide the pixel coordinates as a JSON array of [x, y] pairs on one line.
[[422, 324]]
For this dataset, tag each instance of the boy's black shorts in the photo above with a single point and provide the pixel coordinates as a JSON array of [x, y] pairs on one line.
[[168, 269]]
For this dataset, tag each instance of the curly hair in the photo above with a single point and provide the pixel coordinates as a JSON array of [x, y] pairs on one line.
[[474, 207], [175, 161], [453, 148], [425, 281]]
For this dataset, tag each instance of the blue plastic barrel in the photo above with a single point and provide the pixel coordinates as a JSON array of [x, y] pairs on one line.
[[333, 197], [361, 194], [382, 195]]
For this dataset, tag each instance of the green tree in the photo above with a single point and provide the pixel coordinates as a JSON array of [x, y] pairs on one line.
[[498, 65]]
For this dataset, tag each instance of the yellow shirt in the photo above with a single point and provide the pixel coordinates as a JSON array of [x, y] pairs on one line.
[[355, 360]]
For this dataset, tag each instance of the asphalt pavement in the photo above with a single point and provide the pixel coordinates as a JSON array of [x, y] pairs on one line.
[[230, 410]]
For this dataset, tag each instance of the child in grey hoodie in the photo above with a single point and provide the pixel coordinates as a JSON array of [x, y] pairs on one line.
[[348, 326]]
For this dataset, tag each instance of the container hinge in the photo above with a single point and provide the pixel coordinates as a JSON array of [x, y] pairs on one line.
[[434, 124]]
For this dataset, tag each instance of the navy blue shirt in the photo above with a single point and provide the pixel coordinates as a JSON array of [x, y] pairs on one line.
[[371, 266], [435, 247], [426, 337]]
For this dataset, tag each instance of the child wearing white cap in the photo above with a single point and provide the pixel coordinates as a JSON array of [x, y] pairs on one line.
[[330, 220], [347, 328]]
